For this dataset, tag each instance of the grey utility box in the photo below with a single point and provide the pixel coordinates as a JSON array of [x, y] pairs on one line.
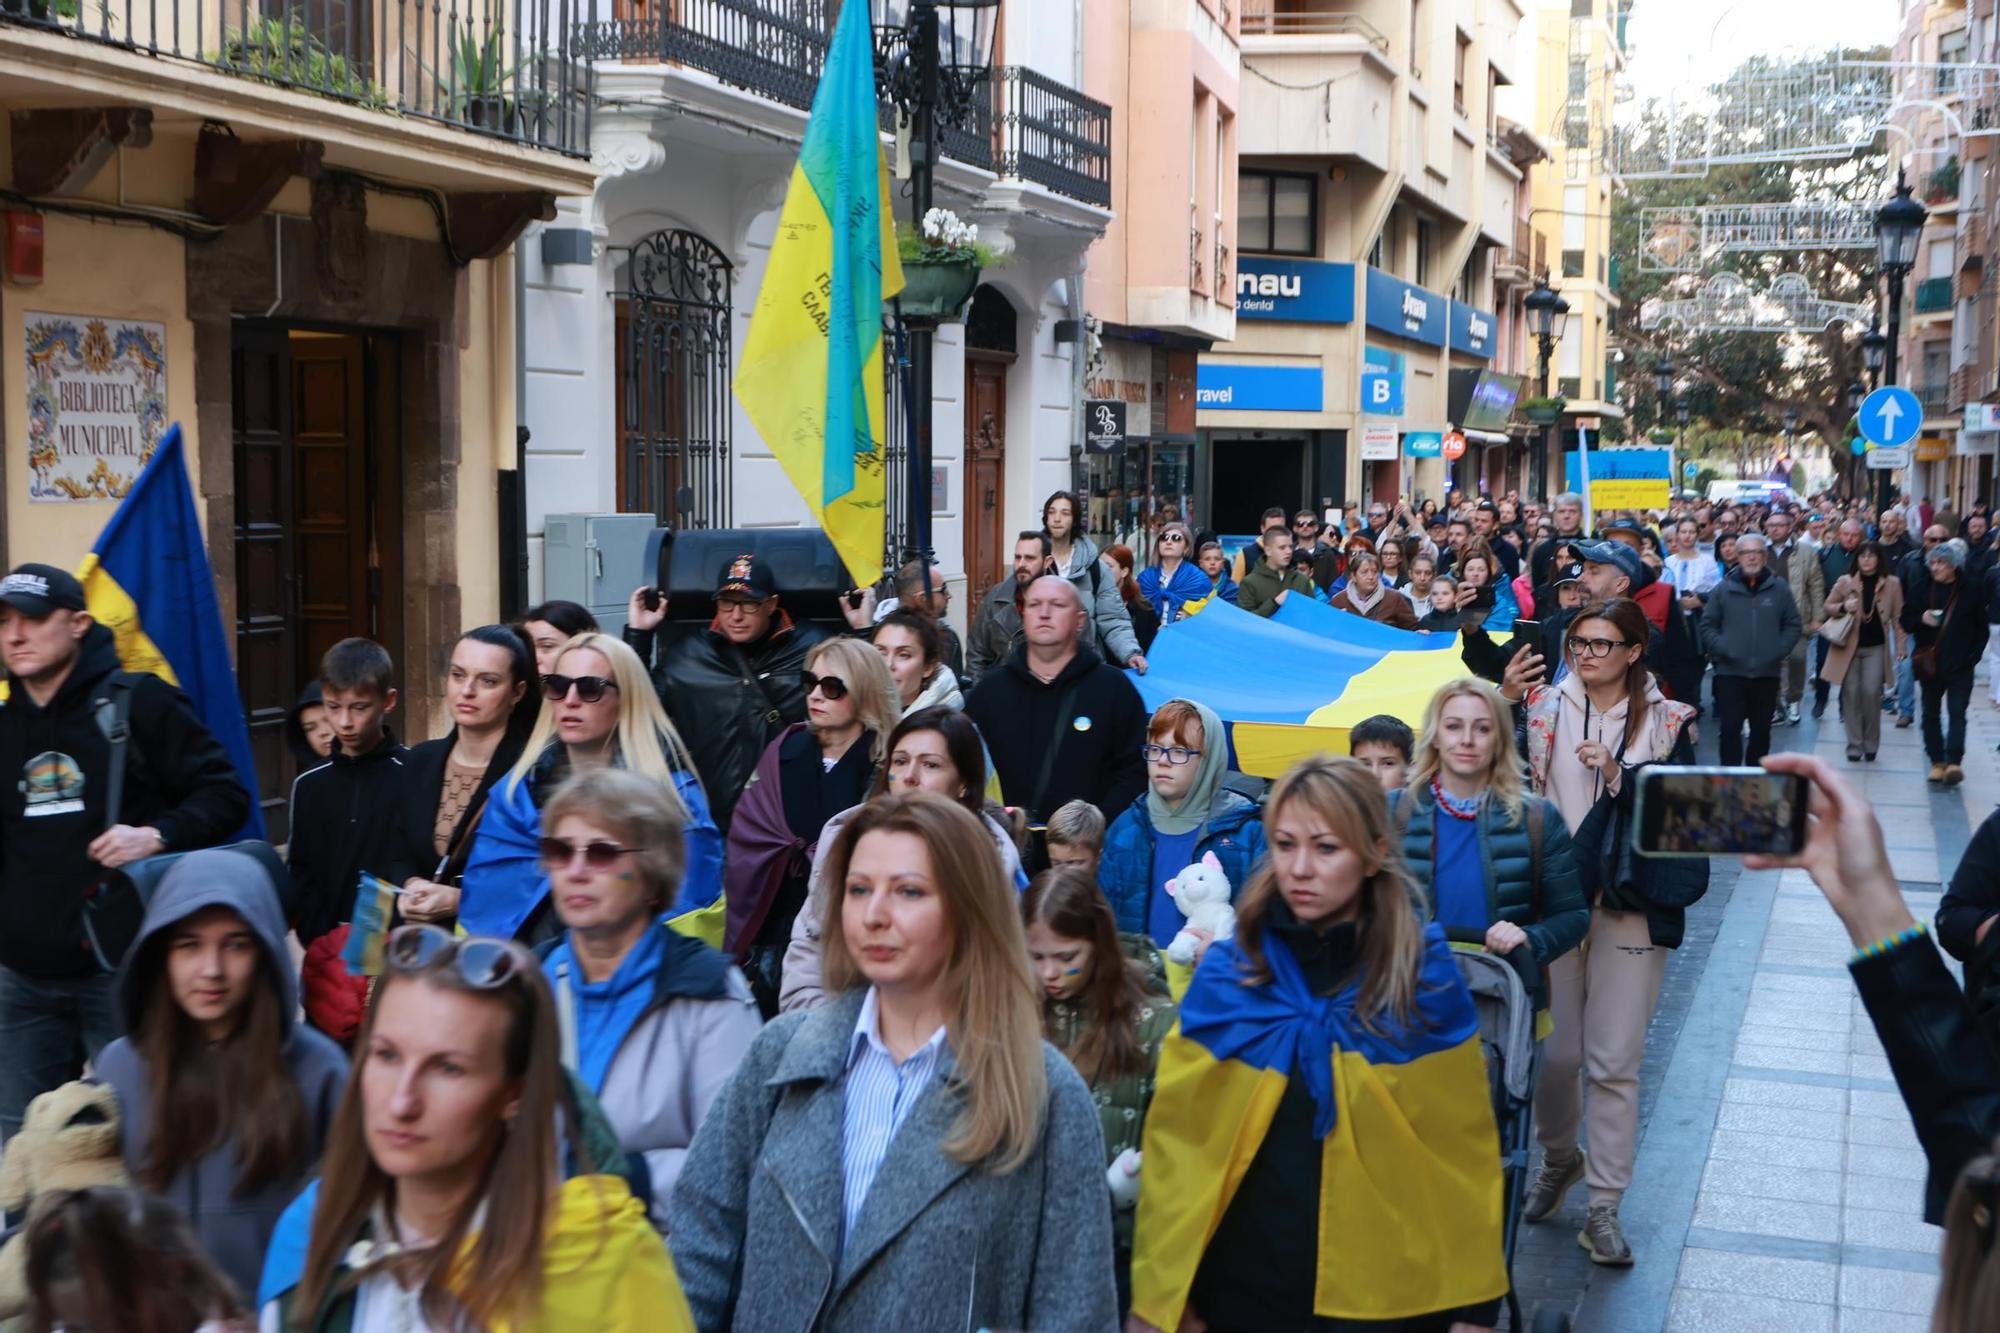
[[597, 560]]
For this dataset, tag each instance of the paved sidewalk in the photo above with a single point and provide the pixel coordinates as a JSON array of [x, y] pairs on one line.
[[1779, 1184]]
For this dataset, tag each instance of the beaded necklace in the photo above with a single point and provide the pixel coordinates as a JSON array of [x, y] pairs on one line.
[[1453, 806]]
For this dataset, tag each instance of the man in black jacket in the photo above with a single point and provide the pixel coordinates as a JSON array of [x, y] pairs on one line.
[[57, 837], [1060, 723], [733, 686]]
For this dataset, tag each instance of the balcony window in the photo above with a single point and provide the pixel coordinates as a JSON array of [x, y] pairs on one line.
[[1572, 263], [1277, 213], [1458, 73]]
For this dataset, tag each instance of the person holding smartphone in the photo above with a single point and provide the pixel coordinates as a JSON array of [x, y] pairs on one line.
[[1586, 735]]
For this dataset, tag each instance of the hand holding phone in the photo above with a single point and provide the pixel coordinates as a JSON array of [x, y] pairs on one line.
[[1700, 810]]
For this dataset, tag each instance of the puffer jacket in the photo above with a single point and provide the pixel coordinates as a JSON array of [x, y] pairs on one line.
[[1748, 631], [1234, 832], [1122, 1099], [1554, 915]]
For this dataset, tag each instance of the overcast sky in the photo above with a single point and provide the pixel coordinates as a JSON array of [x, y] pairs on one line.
[[1680, 42]]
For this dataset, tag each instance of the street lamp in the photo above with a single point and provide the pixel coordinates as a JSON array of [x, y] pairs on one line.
[[1874, 347], [936, 69], [1548, 316], [1856, 391], [1664, 371], [1899, 224]]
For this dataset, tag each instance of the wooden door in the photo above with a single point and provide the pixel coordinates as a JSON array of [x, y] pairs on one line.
[[986, 548], [330, 501], [266, 645]]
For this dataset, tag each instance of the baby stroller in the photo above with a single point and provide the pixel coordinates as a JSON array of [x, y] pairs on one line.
[[1501, 985]]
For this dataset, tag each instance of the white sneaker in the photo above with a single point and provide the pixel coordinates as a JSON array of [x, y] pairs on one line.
[[1791, 713]]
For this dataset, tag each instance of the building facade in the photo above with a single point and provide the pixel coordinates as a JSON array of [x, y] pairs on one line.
[[1378, 351], [639, 296], [292, 236]]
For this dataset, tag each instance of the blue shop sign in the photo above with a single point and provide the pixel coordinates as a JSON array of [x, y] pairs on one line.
[[1471, 330], [1381, 382], [1423, 444], [1301, 291], [1223, 385], [1406, 310]]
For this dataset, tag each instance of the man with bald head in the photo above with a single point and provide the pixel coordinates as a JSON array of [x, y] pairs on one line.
[[1060, 723]]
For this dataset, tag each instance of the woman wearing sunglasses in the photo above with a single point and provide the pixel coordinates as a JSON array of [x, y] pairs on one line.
[[1185, 815], [653, 1022], [226, 1098], [599, 711], [1587, 735], [912, 1155], [1173, 579], [811, 772], [937, 750], [441, 1204]]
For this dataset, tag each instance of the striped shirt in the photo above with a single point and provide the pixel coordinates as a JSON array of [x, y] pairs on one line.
[[878, 1099]]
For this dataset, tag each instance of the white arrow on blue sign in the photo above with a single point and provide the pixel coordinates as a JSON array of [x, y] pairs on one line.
[[1891, 416]]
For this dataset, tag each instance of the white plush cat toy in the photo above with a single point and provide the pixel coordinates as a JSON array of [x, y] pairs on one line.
[[1202, 893]]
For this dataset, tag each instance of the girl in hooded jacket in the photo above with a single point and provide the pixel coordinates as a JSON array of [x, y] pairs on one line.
[[1184, 814], [225, 1097]]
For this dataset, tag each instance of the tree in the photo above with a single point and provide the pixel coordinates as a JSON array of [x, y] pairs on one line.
[[1745, 382]]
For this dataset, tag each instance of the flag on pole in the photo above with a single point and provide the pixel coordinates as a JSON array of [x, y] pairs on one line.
[[148, 581], [811, 376]]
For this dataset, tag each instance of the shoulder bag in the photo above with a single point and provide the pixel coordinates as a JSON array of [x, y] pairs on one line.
[[1924, 660], [1610, 864]]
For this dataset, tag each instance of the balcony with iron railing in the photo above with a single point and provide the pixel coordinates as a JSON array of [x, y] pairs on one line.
[[1029, 126], [1933, 296], [1933, 394], [509, 69], [1307, 18]]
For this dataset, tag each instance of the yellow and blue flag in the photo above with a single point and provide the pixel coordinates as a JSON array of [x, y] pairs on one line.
[[148, 581], [1339, 668], [1410, 1187], [811, 375]]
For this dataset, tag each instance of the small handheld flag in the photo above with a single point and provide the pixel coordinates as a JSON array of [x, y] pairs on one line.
[[368, 933]]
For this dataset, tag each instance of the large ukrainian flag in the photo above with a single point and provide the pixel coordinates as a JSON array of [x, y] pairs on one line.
[[148, 580], [1410, 1185], [811, 374]]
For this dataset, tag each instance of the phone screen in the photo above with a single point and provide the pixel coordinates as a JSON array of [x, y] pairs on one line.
[[1712, 811]]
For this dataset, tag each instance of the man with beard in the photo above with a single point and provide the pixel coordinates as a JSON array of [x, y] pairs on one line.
[[997, 627]]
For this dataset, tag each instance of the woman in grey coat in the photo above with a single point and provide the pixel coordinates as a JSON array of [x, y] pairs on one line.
[[913, 1154]]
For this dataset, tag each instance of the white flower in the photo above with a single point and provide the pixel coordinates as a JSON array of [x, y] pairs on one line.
[[942, 227]]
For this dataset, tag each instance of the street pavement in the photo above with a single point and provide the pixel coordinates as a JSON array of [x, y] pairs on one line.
[[1779, 1184]]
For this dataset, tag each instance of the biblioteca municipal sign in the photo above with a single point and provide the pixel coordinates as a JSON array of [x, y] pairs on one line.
[[97, 403]]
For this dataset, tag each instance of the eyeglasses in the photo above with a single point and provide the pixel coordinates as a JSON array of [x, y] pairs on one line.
[[560, 852], [1595, 647], [1173, 754], [833, 687], [588, 688], [482, 964], [1172, 537]]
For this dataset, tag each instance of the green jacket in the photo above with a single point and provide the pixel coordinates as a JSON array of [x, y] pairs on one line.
[[1259, 592]]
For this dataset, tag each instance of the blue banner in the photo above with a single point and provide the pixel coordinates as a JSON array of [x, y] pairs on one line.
[[1381, 382], [1406, 310], [1622, 465], [1301, 291], [1224, 385], [1472, 330]]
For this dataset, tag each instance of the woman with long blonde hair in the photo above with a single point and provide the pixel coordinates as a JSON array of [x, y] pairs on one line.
[[811, 772], [1489, 855], [600, 711], [913, 1154], [1335, 985]]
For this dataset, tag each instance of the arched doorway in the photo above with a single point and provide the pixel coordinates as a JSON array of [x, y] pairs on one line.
[[674, 414], [990, 330]]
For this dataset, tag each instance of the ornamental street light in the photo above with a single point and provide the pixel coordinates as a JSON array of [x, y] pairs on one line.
[[1548, 316], [936, 68], [1874, 347], [1899, 224]]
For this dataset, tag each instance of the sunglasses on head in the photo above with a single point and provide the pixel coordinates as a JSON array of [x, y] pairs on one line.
[[598, 855], [833, 687], [588, 688], [481, 964]]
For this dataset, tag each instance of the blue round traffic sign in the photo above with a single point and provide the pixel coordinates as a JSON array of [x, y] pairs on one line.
[[1891, 416]]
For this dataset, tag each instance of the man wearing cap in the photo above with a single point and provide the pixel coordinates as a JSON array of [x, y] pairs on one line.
[[1749, 629], [58, 834], [733, 686]]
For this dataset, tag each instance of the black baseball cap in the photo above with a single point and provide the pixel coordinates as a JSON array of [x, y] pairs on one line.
[[39, 590], [745, 576], [1487, 507], [1571, 573]]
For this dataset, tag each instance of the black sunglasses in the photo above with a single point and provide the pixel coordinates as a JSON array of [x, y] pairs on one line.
[[481, 964], [833, 687], [598, 855], [588, 688]]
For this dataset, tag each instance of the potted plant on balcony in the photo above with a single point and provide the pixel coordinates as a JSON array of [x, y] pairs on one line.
[[1943, 183], [1543, 411], [477, 87], [942, 261]]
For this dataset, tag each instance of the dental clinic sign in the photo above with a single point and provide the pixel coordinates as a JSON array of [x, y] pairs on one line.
[[1298, 291], [1406, 311]]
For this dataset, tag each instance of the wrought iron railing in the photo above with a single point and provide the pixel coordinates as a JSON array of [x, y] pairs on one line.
[[1055, 136], [774, 48], [1934, 394], [1933, 296], [507, 68]]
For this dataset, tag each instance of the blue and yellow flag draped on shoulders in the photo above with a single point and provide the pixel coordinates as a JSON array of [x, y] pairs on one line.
[[148, 581], [811, 375], [1410, 1186]]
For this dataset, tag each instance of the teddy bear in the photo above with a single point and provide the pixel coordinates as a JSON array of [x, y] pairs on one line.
[[68, 1140], [1202, 893]]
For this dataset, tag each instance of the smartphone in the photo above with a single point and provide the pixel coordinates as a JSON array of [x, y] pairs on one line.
[[854, 599], [1528, 634], [651, 599], [1714, 811]]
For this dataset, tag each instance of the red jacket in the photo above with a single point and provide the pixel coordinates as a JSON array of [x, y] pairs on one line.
[[1655, 599]]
